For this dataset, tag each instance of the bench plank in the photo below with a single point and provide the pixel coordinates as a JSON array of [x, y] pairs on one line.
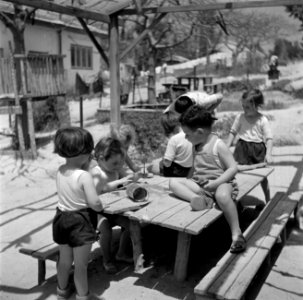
[[45, 252], [232, 275]]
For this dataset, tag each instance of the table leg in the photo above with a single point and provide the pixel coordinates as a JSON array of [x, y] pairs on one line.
[[135, 234], [182, 254]]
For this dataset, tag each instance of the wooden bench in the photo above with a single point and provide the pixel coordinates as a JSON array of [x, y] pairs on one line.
[[48, 252], [232, 275]]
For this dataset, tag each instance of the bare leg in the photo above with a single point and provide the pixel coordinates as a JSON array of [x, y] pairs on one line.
[[265, 188], [224, 200], [81, 256], [123, 222], [189, 191], [105, 238], [64, 265], [135, 232]]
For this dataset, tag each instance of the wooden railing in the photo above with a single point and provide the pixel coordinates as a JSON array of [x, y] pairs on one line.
[[6, 81], [40, 75]]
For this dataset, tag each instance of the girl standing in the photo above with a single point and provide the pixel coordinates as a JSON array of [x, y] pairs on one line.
[[254, 147], [74, 225]]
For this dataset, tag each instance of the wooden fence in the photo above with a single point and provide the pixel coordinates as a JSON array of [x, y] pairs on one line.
[[41, 75]]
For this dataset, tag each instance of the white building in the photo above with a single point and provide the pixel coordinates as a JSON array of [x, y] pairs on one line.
[[47, 34]]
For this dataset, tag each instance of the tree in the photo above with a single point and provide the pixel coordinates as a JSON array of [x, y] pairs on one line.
[[166, 35], [16, 23], [248, 31], [296, 11], [192, 33]]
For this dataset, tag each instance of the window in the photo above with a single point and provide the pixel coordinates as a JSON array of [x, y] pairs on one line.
[[1, 52], [81, 57]]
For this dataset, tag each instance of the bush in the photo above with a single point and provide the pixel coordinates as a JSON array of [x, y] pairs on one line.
[[149, 136], [45, 115]]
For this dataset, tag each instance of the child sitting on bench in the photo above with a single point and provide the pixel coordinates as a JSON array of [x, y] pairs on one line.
[[213, 174], [108, 174]]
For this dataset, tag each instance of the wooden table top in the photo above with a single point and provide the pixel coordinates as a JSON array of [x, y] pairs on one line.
[[166, 210]]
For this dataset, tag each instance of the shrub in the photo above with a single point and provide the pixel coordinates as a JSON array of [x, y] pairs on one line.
[[45, 115]]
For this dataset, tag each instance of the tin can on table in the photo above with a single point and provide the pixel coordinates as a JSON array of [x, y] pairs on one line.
[[137, 192]]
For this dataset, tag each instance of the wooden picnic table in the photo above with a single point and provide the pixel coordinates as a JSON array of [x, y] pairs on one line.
[[166, 210]]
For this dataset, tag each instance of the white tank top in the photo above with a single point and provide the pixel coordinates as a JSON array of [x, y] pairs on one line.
[[71, 194]]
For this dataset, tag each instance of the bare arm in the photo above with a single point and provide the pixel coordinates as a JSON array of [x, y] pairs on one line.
[[230, 139], [167, 163], [269, 146], [130, 164], [92, 198], [230, 165]]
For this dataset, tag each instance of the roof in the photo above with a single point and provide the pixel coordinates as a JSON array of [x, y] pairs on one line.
[[101, 10], [43, 17]]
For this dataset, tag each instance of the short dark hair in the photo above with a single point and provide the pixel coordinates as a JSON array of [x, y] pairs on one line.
[[182, 104], [197, 117], [254, 95], [73, 141], [169, 122], [107, 147]]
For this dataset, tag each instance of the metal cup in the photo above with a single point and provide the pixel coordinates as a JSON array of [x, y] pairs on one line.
[[136, 192]]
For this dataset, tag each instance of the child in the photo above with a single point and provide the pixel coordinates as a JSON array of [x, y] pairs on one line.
[[254, 147], [213, 173], [127, 137], [74, 225], [109, 175], [183, 102], [178, 159]]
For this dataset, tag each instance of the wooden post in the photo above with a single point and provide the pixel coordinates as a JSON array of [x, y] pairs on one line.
[[28, 113], [17, 103], [81, 111], [31, 129], [183, 247], [114, 64]]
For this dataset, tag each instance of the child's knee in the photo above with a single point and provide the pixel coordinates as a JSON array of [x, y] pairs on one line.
[[223, 197], [173, 182]]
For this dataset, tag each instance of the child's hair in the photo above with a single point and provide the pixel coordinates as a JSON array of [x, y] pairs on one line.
[[169, 122], [73, 141], [254, 95], [197, 117], [127, 134], [107, 147], [182, 104]]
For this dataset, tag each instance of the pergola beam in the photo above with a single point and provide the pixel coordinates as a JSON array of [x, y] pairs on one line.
[[63, 9], [94, 40], [212, 6]]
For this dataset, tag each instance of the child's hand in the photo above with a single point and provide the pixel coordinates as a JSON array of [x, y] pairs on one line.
[[210, 186], [268, 159]]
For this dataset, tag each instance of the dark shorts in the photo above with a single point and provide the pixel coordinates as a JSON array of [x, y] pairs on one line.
[[75, 228], [175, 170], [209, 197], [249, 153]]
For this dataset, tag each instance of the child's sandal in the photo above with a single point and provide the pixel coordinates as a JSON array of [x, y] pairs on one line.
[[238, 245]]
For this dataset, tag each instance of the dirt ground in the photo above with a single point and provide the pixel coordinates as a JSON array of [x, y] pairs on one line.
[[28, 201]]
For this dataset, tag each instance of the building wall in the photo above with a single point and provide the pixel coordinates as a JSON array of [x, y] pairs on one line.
[[46, 39], [68, 39]]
